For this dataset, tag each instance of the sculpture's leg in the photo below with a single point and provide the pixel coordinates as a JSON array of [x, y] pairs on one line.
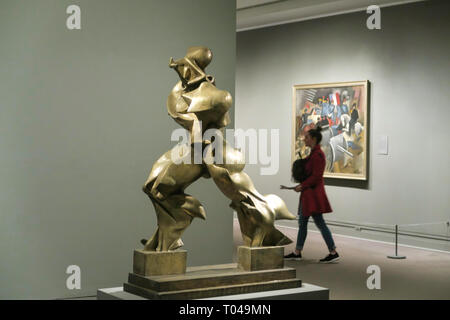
[[256, 213], [247, 229], [258, 237], [255, 229], [172, 221], [174, 209]]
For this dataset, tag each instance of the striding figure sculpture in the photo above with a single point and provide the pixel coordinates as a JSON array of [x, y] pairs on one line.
[[197, 105]]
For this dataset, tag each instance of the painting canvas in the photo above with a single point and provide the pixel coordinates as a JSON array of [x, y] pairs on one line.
[[341, 109]]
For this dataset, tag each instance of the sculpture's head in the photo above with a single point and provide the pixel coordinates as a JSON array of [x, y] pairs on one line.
[[191, 68], [201, 55]]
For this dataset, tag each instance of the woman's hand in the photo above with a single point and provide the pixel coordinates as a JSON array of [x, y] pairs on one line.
[[298, 188]]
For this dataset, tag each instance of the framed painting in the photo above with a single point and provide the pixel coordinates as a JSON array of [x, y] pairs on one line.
[[341, 109]]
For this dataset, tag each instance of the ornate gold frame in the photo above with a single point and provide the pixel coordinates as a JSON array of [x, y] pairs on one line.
[[364, 105]]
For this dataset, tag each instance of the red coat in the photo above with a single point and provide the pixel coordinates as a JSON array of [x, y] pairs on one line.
[[313, 197]]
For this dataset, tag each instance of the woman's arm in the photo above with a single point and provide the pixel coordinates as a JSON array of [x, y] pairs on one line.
[[291, 188]]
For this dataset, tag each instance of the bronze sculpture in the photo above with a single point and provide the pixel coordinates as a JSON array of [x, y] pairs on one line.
[[197, 105]]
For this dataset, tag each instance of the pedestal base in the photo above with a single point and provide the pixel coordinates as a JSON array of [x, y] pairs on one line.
[[153, 263], [163, 275], [260, 258], [396, 257], [211, 281], [305, 292]]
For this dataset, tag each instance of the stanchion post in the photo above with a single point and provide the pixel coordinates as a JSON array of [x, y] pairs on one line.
[[396, 256]]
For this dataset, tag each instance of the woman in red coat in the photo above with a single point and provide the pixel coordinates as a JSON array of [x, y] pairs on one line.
[[313, 199]]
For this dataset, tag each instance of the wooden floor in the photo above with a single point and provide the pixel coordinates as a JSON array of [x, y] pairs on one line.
[[423, 275]]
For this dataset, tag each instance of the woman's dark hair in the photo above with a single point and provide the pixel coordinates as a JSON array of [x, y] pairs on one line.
[[316, 134]]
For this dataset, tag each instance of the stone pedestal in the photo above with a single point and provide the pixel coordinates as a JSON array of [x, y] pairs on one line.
[[304, 292], [152, 263], [211, 281], [163, 275], [260, 258]]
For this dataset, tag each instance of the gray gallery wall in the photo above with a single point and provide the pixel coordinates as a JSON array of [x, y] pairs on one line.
[[407, 63], [82, 120]]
